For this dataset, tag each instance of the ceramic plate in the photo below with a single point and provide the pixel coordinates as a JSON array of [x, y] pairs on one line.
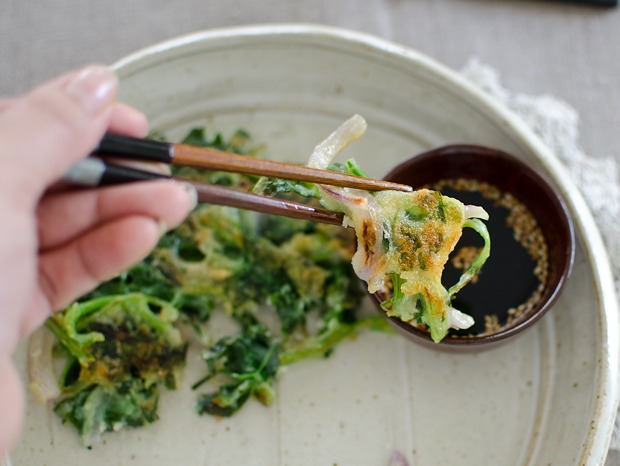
[[548, 397]]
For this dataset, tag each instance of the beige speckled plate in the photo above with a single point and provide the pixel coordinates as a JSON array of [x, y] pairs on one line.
[[549, 397]]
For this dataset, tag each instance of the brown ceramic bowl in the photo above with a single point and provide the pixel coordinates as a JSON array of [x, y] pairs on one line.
[[522, 279]]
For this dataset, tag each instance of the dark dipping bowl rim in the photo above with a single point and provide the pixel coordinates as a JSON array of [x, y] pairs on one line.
[[490, 165]]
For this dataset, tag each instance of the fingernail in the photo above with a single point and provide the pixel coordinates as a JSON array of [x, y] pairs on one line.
[[94, 88], [191, 194]]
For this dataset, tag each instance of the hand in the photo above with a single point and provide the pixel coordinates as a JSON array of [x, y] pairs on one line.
[[56, 247]]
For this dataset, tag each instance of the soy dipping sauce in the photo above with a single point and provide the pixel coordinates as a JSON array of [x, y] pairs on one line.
[[513, 278]]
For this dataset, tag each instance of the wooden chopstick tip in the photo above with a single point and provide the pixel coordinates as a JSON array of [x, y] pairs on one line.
[[405, 188]]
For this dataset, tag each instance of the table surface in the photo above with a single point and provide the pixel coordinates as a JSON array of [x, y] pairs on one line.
[[568, 50]]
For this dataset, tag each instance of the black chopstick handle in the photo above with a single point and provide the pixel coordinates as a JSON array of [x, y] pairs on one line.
[[119, 174], [117, 145], [94, 172]]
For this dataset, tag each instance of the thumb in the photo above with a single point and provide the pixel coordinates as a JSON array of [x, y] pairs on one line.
[[55, 125]]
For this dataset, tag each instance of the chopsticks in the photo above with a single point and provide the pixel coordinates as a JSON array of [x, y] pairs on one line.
[[115, 145], [94, 172]]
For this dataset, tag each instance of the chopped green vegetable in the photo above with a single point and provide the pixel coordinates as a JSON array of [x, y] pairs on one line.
[[118, 350], [265, 271], [249, 361]]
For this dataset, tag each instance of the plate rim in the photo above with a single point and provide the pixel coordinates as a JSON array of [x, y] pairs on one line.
[[607, 396]]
